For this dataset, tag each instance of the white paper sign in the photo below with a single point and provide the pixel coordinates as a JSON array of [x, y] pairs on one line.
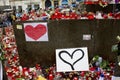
[[72, 59], [86, 37], [36, 31]]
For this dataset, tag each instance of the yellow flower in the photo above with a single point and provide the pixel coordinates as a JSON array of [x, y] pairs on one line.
[[41, 78]]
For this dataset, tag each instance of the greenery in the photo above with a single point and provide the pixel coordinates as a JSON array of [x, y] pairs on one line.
[[2, 53], [104, 64]]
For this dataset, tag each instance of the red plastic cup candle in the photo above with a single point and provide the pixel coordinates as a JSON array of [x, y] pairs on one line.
[[75, 78], [82, 74], [50, 76]]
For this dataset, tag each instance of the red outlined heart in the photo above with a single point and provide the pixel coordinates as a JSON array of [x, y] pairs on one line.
[[35, 32]]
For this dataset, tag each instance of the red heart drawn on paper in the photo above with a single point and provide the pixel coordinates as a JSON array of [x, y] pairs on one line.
[[35, 32]]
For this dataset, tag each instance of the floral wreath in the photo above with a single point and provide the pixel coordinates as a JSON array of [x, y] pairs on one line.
[[103, 4]]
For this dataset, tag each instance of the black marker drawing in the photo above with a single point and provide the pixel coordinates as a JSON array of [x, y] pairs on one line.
[[71, 55]]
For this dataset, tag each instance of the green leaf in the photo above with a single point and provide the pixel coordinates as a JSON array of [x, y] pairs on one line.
[[95, 58], [104, 64]]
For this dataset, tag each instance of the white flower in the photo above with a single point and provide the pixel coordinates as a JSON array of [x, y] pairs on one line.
[[119, 63]]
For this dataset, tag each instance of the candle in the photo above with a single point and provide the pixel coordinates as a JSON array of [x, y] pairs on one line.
[[50, 76], [75, 78], [82, 74]]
